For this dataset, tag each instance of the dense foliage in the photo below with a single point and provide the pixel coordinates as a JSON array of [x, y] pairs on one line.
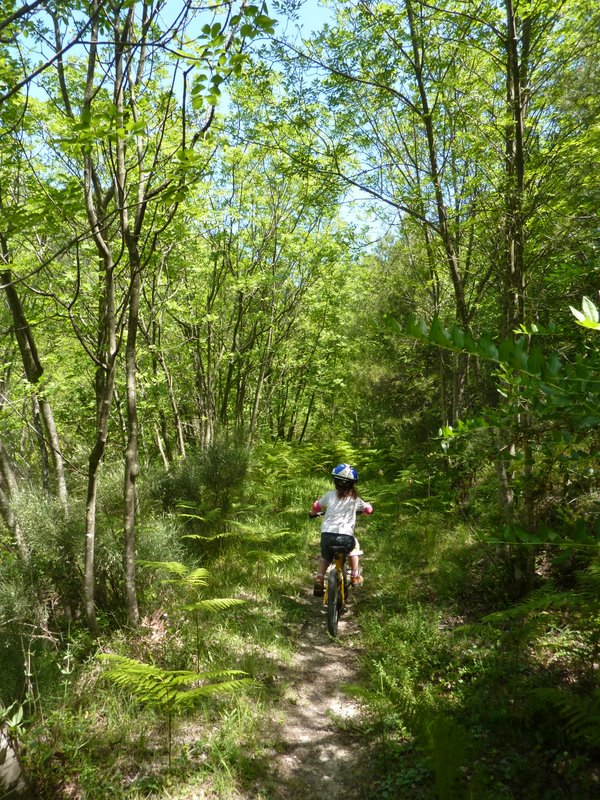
[[231, 257]]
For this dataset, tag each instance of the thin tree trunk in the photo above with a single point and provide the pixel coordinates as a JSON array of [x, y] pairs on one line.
[[450, 249], [132, 468], [265, 361], [8, 490], [516, 83], [55, 452], [174, 406], [233, 357], [33, 371], [106, 348], [307, 417], [37, 426], [518, 36]]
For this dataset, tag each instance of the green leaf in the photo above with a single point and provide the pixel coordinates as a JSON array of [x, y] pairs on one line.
[[458, 337], [553, 365], [589, 421], [171, 566], [589, 309], [214, 604], [265, 23], [589, 316], [487, 347], [535, 360], [438, 334]]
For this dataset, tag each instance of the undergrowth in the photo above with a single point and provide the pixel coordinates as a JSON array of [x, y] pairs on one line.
[[483, 698], [467, 695]]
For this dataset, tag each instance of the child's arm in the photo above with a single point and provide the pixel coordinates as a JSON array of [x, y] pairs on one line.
[[316, 509], [366, 508]]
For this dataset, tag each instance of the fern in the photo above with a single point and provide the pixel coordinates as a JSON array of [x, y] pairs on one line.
[[543, 599], [270, 558], [190, 580], [580, 714], [170, 691], [442, 738], [581, 604], [214, 604], [212, 538], [174, 567]]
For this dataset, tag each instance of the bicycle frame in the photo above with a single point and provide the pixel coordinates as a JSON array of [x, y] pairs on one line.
[[336, 586], [335, 595]]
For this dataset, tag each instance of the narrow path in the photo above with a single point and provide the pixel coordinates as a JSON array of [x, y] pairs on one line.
[[318, 752]]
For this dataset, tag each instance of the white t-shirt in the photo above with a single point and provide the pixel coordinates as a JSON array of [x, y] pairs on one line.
[[340, 513]]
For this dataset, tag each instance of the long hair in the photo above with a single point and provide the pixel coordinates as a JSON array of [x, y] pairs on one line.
[[344, 489]]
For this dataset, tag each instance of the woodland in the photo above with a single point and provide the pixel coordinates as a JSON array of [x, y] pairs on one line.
[[236, 250]]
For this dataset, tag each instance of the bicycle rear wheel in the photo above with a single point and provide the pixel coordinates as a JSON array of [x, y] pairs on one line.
[[333, 608]]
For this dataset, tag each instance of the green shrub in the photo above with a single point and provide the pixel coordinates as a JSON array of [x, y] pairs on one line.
[[222, 471]]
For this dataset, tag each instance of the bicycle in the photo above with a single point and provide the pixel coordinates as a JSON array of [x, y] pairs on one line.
[[336, 588]]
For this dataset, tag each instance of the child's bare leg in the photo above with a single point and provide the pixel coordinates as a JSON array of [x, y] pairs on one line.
[[322, 568], [320, 578], [355, 575]]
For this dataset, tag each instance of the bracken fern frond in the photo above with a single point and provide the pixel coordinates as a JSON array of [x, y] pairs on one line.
[[581, 714]]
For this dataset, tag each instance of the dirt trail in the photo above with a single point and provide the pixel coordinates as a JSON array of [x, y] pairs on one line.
[[317, 757]]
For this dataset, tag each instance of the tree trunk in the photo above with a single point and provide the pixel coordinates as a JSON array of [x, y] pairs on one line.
[[12, 778], [33, 371], [450, 249], [37, 426], [130, 235], [12, 524], [105, 381], [8, 489], [518, 36], [264, 364], [233, 358], [55, 452], [132, 468], [175, 409], [517, 54], [307, 418]]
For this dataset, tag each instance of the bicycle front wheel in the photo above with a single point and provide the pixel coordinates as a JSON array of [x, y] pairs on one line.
[[333, 597]]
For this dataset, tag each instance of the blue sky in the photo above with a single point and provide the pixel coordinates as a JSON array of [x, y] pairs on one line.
[[311, 16]]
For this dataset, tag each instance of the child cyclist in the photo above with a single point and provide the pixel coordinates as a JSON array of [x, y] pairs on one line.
[[341, 505]]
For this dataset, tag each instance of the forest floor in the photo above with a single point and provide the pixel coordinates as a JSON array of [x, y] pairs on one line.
[[318, 753]]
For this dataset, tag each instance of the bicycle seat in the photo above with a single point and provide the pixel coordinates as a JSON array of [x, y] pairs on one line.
[[337, 548]]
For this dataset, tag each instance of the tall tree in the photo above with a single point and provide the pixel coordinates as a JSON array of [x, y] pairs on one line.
[[132, 142], [442, 110], [15, 128]]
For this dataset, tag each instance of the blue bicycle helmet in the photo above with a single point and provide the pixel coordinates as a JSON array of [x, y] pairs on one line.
[[345, 474]]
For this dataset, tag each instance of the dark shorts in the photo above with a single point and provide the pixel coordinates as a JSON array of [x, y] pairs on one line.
[[329, 540]]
